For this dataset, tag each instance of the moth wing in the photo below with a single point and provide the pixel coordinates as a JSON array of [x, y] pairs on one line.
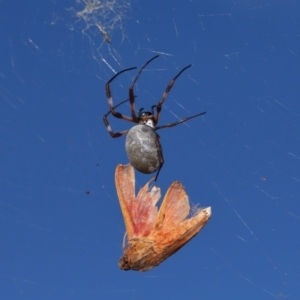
[[139, 212], [145, 211], [175, 206], [125, 184]]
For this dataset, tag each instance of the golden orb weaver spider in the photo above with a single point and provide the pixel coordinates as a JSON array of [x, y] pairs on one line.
[[143, 147]]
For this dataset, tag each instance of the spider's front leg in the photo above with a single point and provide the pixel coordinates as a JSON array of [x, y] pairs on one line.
[[107, 125], [110, 100], [131, 91], [113, 134], [166, 93]]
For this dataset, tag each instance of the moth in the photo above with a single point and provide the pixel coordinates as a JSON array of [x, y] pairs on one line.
[[152, 234]]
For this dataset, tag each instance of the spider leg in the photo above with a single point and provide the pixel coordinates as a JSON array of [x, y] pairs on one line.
[[110, 101], [157, 173], [108, 127], [152, 109], [165, 94], [179, 122], [160, 155], [113, 134], [155, 178], [119, 104], [131, 92]]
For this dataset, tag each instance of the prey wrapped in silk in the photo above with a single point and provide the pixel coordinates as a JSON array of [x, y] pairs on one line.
[[152, 234]]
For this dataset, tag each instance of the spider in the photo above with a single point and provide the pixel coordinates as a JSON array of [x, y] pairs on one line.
[[143, 147]]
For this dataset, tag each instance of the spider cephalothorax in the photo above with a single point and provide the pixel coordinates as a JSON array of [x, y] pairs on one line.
[[144, 117], [143, 148]]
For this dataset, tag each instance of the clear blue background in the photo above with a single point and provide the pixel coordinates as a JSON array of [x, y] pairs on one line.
[[61, 227]]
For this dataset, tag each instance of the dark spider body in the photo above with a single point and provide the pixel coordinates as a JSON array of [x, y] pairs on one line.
[[143, 148]]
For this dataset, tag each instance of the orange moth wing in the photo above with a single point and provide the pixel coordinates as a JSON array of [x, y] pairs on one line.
[[139, 212]]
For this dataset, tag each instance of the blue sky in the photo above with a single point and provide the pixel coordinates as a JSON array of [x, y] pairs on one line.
[[61, 224]]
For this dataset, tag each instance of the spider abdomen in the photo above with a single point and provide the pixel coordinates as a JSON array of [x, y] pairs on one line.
[[143, 149]]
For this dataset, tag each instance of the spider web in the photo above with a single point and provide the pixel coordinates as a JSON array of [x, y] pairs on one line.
[[62, 226]]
